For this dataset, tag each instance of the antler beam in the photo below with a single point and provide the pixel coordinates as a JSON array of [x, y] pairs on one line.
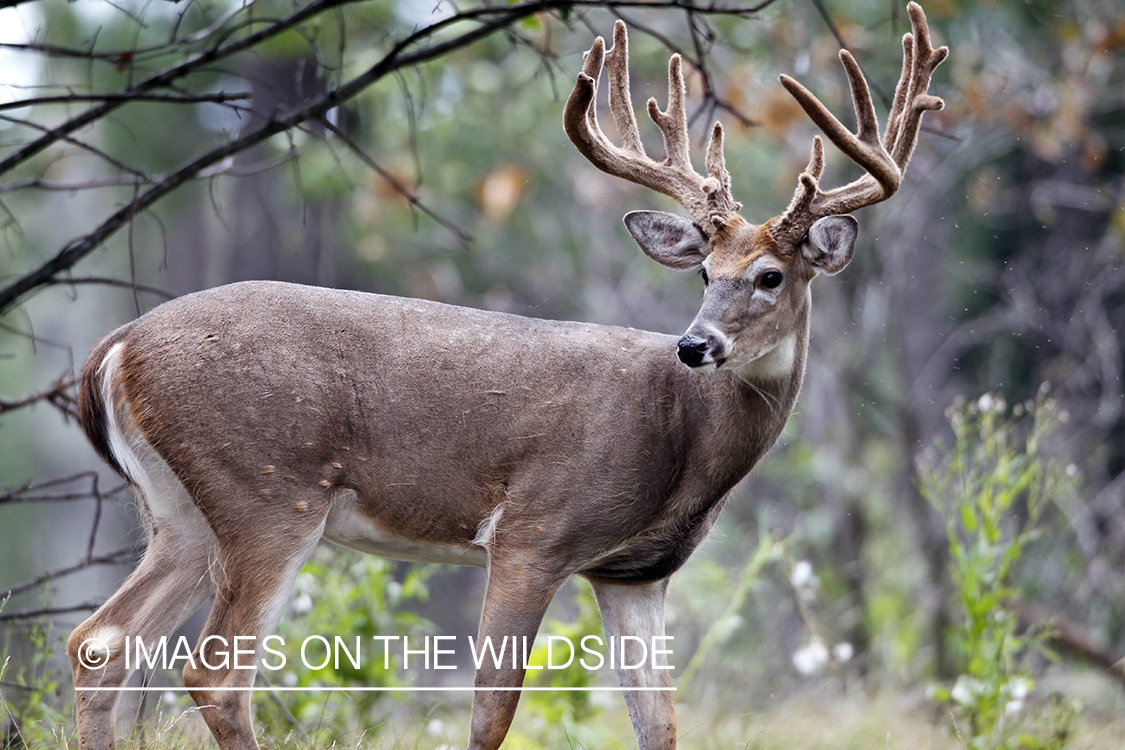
[[708, 199]]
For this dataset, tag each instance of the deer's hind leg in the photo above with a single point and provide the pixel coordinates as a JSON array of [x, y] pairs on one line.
[[257, 563], [170, 584]]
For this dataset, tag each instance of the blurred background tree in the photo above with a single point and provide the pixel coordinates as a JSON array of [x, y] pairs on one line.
[[150, 149]]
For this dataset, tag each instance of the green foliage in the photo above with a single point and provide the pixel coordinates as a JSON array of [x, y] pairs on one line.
[[991, 488], [30, 702], [354, 596], [769, 550], [571, 706]]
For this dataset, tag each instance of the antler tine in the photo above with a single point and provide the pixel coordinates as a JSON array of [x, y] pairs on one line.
[[884, 159], [720, 201], [707, 199], [808, 186], [620, 99], [579, 118], [902, 92], [923, 59], [721, 205], [673, 121]]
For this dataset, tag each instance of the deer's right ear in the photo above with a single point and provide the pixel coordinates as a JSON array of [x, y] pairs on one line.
[[668, 239]]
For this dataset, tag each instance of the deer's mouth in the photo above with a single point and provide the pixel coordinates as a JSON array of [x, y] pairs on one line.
[[708, 367]]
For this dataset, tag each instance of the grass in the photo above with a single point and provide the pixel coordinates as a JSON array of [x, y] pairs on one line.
[[819, 716]]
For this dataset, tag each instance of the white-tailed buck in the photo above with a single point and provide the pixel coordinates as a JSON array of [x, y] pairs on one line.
[[256, 418]]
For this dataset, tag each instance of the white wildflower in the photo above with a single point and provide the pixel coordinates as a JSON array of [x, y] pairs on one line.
[[843, 652], [966, 690], [1019, 687], [803, 577], [812, 658], [303, 604]]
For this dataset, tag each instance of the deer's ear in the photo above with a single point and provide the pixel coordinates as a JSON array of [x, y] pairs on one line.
[[668, 239], [831, 243]]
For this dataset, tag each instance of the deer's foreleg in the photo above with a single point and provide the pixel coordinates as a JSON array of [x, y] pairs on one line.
[[517, 596], [638, 610]]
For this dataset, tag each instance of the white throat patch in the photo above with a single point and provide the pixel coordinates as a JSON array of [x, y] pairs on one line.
[[776, 363]]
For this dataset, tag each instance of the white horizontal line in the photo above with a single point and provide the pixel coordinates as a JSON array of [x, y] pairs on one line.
[[280, 689]]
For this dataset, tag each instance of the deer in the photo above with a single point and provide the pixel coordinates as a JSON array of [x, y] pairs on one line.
[[254, 419]]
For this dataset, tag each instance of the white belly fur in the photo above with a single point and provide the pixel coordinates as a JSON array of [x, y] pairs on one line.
[[348, 526]]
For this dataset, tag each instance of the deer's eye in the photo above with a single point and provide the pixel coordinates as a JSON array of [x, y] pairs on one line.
[[706, 278], [771, 279]]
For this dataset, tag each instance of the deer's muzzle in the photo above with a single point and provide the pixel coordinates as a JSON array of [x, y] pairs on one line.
[[695, 351]]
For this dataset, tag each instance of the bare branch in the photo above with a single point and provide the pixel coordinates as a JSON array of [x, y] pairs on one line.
[[219, 98], [165, 78], [123, 556], [35, 614], [56, 395], [490, 19]]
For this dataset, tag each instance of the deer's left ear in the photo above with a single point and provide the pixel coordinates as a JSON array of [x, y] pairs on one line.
[[831, 243]]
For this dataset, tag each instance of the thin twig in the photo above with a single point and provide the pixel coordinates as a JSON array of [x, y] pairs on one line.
[[98, 498], [219, 98], [35, 614], [106, 281], [122, 556], [463, 237], [48, 394], [80, 144], [23, 494], [835, 31]]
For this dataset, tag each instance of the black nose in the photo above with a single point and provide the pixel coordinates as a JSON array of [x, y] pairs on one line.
[[692, 349]]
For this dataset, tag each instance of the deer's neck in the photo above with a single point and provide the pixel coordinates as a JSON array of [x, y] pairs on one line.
[[751, 405]]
